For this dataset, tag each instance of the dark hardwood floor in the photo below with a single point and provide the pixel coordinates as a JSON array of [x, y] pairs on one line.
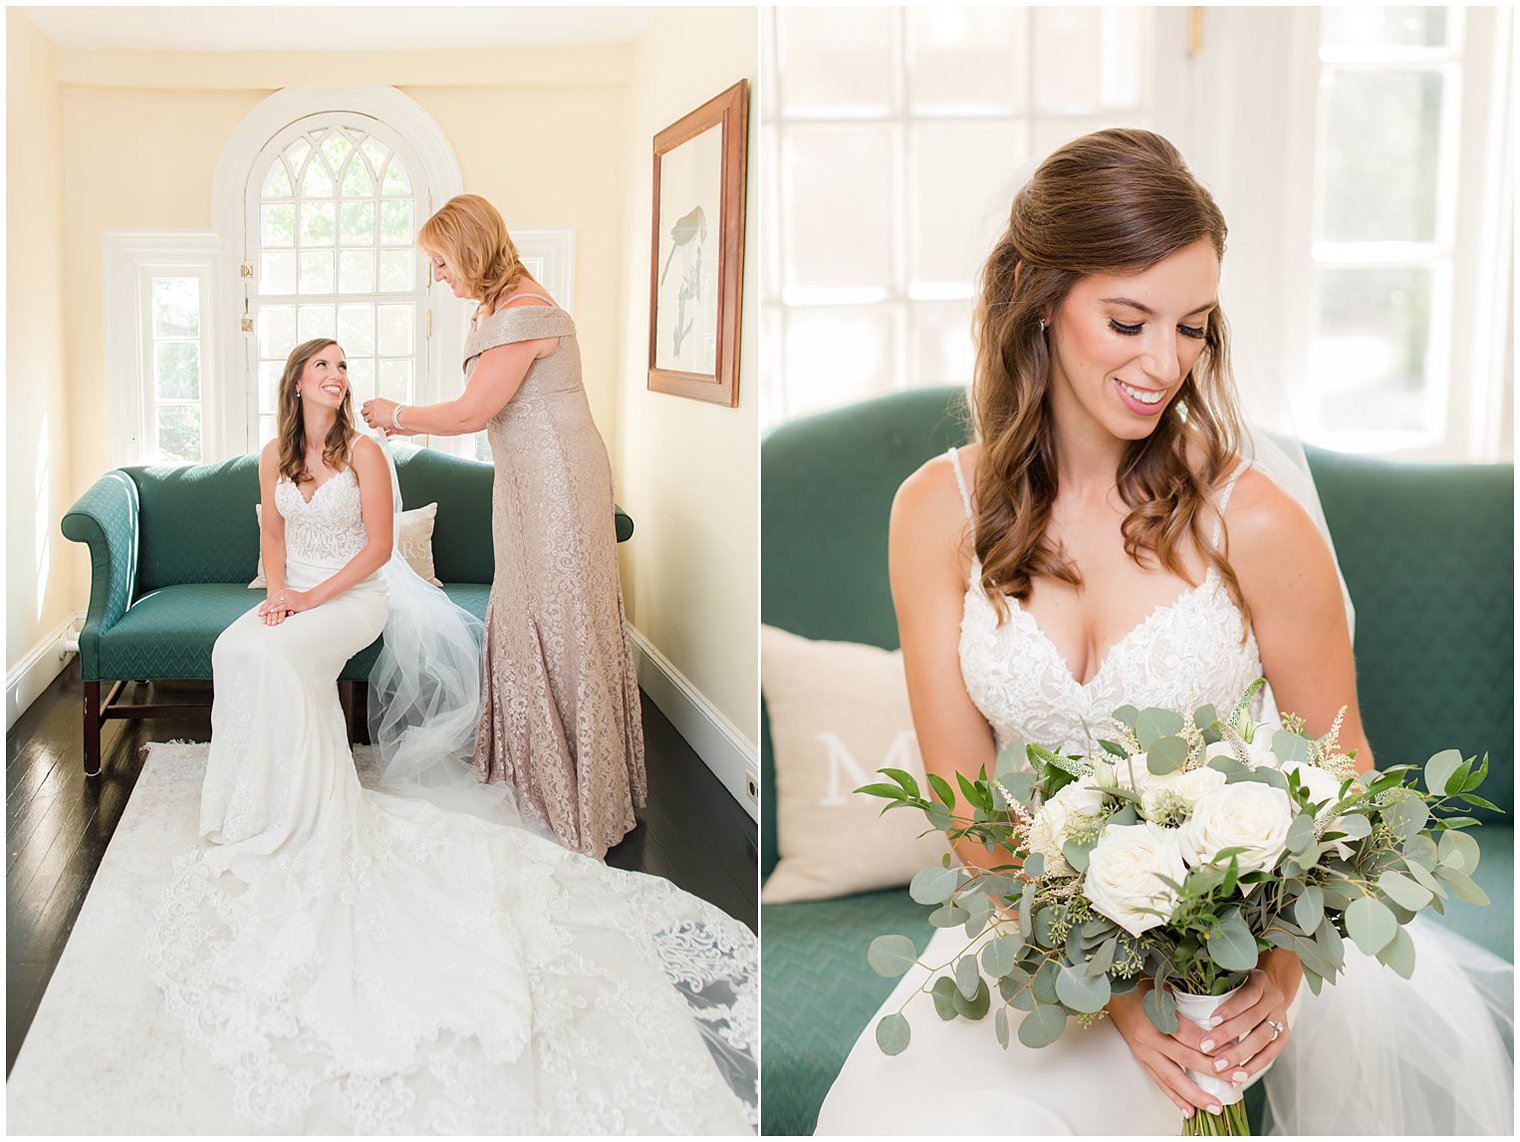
[[58, 824]]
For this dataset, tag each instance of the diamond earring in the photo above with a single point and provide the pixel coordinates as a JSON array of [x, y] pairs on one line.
[[1042, 325]]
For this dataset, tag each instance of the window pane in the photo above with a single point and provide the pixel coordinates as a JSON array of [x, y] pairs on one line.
[[943, 353], [266, 429], [967, 59], [361, 376], [316, 271], [838, 61], [277, 225], [314, 321], [1087, 59], [1357, 27], [176, 307], [357, 182], [179, 432], [317, 223], [358, 223], [1049, 134], [396, 222], [177, 370], [356, 330], [395, 326], [398, 270], [277, 273], [838, 356], [277, 331], [317, 182], [356, 271], [336, 149], [277, 181], [296, 153], [840, 203], [1368, 357], [376, 152], [1381, 150], [772, 376], [395, 180], [960, 191], [396, 380], [483, 448], [269, 381]]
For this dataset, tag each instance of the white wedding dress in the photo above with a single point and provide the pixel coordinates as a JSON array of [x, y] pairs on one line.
[[368, 963], [1357, 1061]]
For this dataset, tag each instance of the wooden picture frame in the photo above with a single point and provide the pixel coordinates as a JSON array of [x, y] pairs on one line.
[[696, 271]]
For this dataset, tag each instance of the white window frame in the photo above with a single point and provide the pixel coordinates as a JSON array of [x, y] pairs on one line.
[[130, 262]]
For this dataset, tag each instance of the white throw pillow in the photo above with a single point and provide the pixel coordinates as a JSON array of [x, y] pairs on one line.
[[416, 541], [838, 713]]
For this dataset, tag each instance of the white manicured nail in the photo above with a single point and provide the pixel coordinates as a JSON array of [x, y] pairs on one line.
[[1216, 1110], [1240, 1076], [1212, 1022], [1208, 1044], [1221, 1064]]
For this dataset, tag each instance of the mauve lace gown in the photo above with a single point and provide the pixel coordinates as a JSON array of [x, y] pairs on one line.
[[560, 715]]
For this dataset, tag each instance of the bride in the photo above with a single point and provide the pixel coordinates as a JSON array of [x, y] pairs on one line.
[[1114, 536], [373, 962]]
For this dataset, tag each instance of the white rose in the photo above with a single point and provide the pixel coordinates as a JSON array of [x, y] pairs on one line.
[[1321, 783], [1122, 875], [1081, 798], [1133, 774], [1181, 787], [1250, 815]]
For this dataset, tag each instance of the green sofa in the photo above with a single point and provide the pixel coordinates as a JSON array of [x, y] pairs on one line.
[[1426, 551], [173, 549]]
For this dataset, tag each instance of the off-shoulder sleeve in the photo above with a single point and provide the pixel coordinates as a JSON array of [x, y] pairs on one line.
[[518, 323]]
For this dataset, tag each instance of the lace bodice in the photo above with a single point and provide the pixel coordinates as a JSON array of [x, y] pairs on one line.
[[329, 529], [1182, 655]]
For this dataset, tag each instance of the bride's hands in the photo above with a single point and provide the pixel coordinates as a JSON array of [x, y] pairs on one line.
[[1259, 1011], [1166, 1058], [282, 604]]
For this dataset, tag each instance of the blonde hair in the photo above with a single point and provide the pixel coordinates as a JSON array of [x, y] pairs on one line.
[[1115, 201], [291, 425], [468, 233]]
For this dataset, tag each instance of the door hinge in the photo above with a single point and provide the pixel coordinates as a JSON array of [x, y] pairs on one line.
[[430, 323], [246, 269], [247, 324]]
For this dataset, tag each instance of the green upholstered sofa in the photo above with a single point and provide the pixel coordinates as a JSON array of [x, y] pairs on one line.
[[173, 549], [1426, 551]]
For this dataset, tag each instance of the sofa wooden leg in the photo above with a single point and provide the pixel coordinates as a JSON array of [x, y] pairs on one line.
[[92, 729], [346, 695]]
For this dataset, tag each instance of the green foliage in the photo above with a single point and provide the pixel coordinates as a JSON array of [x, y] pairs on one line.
[[891, 955]]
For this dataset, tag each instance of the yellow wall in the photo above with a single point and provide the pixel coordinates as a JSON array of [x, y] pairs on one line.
[[688, 471], [39, 582]]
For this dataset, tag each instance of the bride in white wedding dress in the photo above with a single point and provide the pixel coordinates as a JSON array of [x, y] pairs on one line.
[[365, 962], [1117, 536]]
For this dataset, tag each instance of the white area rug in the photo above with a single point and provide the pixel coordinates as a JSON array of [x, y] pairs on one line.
[[103, 1055]]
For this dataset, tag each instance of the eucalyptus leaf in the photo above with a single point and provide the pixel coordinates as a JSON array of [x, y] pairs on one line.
[[1288, 746], [1044, 927], [1128, 715], [1371, 924], [1407, 816], [1026, 911], [892, 1034], [1042, 1026], [1205, 716], [933, 885], [1161, 1007], [939, 816], [1015, 980], [1300, 833], [1440, 769], [949, 916], [978, 1005], [1403, 891], [1076, 854], [1459, 851], [1166, 755], [944, 993], [1330, 942], [1044, 983], [1000, 1025], [1034, 865], [1354, 825], [1232, 947], [998, 956], [1421, 850], [1462, 886], [1399, 954], [1104, 958], [891, 955], [1154, 723], [1082, 992], [1126, 815], [1425, 878], [1114, 749], [967, 977], [1309, 908]]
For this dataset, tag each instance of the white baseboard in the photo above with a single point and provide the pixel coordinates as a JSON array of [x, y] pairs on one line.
[[26, 681], [733, 758]]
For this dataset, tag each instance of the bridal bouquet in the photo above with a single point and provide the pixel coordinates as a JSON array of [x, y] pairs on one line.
[[1177, 855]]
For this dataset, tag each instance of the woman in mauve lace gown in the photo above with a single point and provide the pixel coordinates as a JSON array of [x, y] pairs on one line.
[[561, 718]]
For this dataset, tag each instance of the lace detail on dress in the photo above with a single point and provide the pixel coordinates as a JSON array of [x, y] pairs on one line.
[[329, 529], [1184, 654]]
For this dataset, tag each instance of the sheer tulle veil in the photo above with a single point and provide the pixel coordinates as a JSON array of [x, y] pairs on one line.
[[1375, 1053]]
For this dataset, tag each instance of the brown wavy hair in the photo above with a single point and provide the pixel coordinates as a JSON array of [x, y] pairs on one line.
[[1116, 201], [468, 233], [291, 430]]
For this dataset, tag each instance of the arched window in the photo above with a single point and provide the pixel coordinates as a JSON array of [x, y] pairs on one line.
[[334, 202]]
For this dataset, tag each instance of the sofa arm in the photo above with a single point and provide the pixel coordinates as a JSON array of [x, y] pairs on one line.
[[106, 519], [623, 522]]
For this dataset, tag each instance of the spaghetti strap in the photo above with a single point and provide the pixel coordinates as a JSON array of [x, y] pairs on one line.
[[960, 482], [540, 296], [1224, 499]]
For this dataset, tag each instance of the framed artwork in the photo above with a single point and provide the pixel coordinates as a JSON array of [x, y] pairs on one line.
[[697, 251]]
